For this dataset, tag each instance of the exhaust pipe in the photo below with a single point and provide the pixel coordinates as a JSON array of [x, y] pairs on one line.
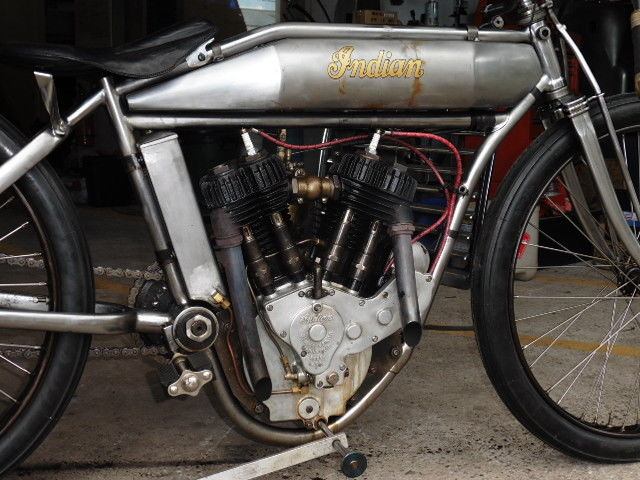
[[401, 231], [228, 248]]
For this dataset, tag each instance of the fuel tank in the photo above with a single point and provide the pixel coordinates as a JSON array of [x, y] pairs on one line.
[[317, 75]]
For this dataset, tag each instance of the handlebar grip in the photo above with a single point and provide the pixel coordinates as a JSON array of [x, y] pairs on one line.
[[635, 36]]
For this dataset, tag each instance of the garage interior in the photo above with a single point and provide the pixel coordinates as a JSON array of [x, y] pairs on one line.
[[442, 417]]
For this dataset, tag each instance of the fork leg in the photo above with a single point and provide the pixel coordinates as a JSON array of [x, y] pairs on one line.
[[578, 113]]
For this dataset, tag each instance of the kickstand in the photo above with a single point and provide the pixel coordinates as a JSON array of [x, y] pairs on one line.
[[353, 463]]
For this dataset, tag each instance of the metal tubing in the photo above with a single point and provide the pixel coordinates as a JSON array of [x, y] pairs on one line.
[[401, 232], [123, 131], [228, 243], [584, 65], [287, 438], [588, 139], [126, 321], [482, 159], [279, 31], [164, 122], [87, 107], [27, 158]]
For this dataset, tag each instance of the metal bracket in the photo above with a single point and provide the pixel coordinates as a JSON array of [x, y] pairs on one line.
[[201, 55], [50, 98]]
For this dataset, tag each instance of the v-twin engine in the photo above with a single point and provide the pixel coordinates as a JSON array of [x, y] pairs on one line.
[[316, 250]]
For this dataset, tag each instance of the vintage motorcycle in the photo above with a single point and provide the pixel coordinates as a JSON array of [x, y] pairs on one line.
[[309, 290]]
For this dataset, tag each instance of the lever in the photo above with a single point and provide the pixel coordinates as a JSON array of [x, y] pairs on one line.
[[50, 98], [353, 463]]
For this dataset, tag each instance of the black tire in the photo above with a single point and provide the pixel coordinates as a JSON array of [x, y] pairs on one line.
[[492, 292], [70, 267]]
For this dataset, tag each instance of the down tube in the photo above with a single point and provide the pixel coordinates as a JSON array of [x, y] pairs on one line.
[[483, 156]]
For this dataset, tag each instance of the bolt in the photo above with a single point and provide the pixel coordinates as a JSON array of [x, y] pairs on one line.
[[173, 389], [333, 378], [300, 200], [324, 199], [361, 303], [320, 384], [395, 352], [342, 367], [259, 408], [332, 292], [269, 308], [198, 327], [283, 334], [317, 308], [374, 339], [309, 409], [301, 293], [428, 277], [303, 353], [385, 295], [206, 374], [190, 383], [201, 57]]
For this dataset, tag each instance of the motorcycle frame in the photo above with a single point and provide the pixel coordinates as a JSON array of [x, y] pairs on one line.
[[551, 87]]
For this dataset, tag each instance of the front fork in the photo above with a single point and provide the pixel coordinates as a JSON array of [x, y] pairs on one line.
[[578, 113]]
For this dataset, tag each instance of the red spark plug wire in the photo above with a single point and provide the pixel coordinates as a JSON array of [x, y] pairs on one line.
[[316, 146], [394, 136]]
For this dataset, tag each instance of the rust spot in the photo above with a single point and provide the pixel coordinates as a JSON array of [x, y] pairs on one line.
[[342, 86], [416, 89]]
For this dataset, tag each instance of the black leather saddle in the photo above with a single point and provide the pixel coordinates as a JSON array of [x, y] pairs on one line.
[[151, 56]]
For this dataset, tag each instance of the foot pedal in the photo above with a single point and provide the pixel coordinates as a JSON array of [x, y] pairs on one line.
[[353, 463]]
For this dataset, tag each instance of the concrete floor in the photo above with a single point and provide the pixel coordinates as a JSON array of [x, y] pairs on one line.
[[440, 419]]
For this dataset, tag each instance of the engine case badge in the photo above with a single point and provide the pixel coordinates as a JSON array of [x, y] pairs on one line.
[[384, 66]]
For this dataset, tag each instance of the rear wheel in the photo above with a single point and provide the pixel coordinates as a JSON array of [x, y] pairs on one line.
[[562, 347], [43, 259]]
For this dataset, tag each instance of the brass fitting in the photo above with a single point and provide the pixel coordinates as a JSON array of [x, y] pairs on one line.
[[311, 187]]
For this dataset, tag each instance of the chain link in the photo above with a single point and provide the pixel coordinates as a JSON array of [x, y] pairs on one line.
[[94, 352], [152, 272], [148, 274]]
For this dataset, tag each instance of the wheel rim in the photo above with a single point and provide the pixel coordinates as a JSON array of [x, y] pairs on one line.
[[26, 268], [577, 322]]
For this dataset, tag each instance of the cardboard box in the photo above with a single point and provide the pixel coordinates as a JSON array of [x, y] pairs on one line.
[[376, 17]]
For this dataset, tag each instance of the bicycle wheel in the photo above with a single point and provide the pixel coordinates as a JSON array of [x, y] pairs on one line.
[[43, 259], [563, 348]]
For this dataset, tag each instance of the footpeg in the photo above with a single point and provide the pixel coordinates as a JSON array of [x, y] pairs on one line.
[[178, 379], [189, 383], [353, 463]]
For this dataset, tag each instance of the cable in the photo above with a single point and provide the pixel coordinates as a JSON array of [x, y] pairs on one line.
[[316, 146]]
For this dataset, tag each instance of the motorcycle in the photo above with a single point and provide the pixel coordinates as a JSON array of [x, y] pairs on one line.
[[307, 292]]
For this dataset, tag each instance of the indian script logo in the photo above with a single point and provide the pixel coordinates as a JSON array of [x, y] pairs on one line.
[[384, 66]]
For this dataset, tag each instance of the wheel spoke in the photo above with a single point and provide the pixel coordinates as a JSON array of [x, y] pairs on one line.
[[14, 231], [15, 365]]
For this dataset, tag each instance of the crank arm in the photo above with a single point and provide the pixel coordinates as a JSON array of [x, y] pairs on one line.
[[31, 313]]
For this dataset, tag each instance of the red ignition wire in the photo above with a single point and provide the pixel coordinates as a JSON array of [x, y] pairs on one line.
[[317, 146], [451, 201]]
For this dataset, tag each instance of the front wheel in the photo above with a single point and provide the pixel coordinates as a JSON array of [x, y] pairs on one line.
[[556, 298]]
